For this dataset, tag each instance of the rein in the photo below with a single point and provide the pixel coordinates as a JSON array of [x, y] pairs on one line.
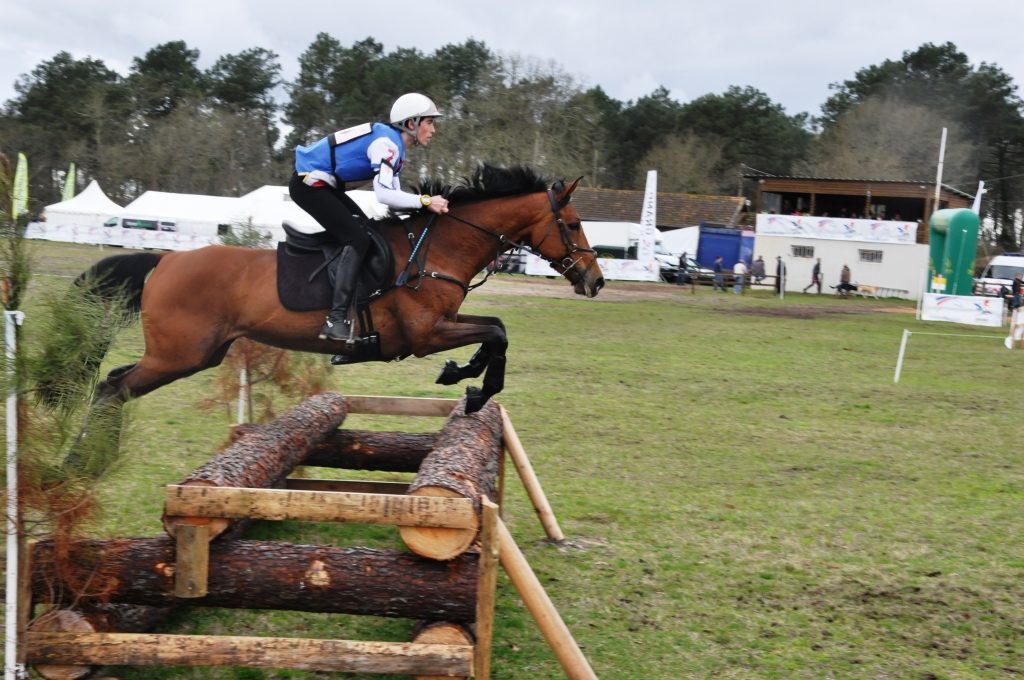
[[566, 262]]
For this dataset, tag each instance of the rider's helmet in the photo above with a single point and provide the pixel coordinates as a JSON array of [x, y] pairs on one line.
[[412, 106]]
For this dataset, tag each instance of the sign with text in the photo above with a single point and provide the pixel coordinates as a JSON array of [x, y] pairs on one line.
[[840, 228], [972, 310]]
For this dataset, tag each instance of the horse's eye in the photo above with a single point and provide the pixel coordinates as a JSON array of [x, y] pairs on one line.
[[574, 226]]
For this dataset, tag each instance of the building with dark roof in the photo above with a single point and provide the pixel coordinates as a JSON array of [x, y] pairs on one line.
[[906, 200], [673, 210]]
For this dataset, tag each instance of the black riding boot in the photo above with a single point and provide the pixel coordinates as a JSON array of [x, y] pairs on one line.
[[338, 326]]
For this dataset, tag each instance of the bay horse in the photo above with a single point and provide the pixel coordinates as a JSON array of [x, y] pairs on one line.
[[195, 303]]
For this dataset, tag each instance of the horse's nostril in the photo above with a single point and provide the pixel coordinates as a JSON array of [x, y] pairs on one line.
[[599, 284]]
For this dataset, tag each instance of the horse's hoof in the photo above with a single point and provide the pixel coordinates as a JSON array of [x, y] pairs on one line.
[[474, 399], [449, 374]]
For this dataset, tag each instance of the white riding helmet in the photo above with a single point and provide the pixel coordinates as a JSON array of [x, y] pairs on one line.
[[412, 106]]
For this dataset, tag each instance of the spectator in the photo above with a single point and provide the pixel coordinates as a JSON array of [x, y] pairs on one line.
[[718, 283], [681, 275], [815, 277], [1017, 291], [780, 274], [757, 270], [845, 286], [739, 271]]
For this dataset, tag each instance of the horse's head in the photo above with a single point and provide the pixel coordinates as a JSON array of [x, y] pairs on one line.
[[557, 236]]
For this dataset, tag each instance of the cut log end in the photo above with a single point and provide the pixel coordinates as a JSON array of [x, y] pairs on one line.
[[442, 633], [62, 621], [438, 543]]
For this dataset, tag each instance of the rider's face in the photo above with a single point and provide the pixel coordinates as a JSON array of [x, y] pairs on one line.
[[425, 131]]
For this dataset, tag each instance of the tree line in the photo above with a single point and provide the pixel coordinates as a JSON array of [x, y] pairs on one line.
[[169, 125]]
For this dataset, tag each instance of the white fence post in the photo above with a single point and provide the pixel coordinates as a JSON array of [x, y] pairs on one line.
[[899, 359], [12, 669]]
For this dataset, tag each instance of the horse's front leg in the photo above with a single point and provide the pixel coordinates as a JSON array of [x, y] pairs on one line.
[[490, 358], [452, 372]]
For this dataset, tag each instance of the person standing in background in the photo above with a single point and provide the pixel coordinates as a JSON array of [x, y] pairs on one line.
[[815, 277], [719, 281], [780, 274], [739, 273]]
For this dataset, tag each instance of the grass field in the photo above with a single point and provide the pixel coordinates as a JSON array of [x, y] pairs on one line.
[[745, 491]]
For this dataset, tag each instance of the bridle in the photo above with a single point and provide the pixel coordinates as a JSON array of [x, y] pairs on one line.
[[564, 265]]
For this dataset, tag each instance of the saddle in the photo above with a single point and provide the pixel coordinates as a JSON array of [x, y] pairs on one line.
[[306, 265]]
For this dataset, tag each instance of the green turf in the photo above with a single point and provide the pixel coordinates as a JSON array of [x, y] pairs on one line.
[[745, 491]]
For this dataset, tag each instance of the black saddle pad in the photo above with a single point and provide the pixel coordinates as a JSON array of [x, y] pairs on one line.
[[296, 264]]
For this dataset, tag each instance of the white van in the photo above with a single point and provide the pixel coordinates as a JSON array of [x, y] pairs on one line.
[[999, 273]]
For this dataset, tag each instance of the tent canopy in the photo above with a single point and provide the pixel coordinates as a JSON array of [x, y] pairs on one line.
[[90, 208]]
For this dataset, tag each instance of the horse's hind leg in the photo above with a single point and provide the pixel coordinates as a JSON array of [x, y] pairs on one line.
[[100, 435], [101, 428]]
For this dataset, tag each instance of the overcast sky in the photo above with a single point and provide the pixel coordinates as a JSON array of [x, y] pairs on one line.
[[789, 49]]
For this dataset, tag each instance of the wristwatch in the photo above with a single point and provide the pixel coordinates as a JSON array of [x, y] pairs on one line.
[[425, 200]]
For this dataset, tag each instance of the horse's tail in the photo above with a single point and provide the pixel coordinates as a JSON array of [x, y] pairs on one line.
[[119, 276], [106, 298]]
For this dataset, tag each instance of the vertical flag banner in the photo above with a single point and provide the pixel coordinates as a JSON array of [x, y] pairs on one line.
[[649, 222], [19, 197], [69, 184]]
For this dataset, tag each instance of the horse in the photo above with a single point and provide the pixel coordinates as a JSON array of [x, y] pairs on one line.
[[195, 303]]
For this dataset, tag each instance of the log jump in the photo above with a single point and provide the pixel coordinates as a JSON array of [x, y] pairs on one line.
[[102, 594]]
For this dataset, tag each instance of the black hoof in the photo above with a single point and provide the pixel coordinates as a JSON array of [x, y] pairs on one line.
[[449, 374], [474, 399]]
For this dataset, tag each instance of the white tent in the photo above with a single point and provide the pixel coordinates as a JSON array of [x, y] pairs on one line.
[[91, 208], [271, 205], [679, 241], [191, 213]]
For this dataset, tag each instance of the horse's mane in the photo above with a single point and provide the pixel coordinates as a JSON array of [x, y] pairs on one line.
[[487, 181]]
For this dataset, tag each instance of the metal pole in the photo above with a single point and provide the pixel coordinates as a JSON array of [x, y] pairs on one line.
[[12, 669], [899, 359]]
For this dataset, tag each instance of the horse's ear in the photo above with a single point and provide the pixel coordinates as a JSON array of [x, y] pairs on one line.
[[563, 192]]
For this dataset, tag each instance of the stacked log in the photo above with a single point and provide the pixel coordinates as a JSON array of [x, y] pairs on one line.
[[93, 618], [463, 463], [264, 457], [362, 449], [265, 575]]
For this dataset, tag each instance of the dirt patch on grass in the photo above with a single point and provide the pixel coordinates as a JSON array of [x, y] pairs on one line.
[[625, 291]]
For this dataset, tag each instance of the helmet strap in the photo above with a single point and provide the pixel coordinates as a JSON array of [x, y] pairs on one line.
[[415, 129]]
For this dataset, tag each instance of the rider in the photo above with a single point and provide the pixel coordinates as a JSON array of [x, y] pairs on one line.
[[369, 151]]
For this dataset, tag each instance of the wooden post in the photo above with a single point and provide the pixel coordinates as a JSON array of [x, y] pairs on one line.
[[530, 482], [192, 550], [486, 586], [543, 611]]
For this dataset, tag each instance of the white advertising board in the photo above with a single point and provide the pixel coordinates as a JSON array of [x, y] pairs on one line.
[[966, 309]]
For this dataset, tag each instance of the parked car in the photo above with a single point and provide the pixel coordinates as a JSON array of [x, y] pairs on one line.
[[693, 273], [509, 263], [137, 223], [999, 274]]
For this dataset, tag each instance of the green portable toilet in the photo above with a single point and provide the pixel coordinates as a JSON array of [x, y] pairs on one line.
[[952, 239]]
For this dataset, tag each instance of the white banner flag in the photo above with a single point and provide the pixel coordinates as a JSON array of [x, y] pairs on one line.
[[648, 222]]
